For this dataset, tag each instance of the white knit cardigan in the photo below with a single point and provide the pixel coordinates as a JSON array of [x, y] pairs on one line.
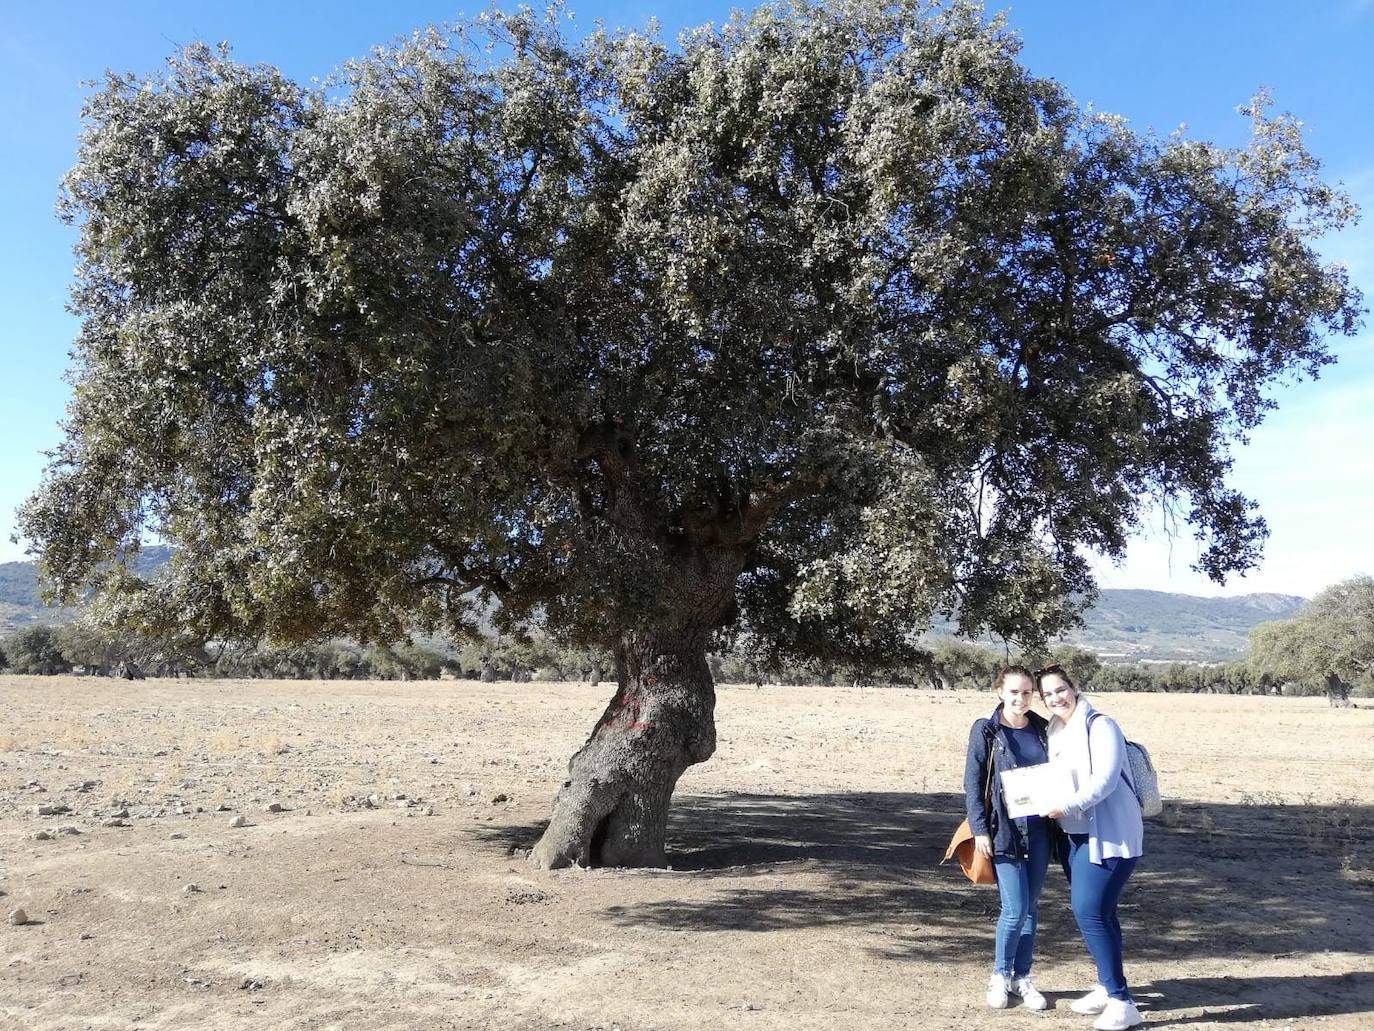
[[1103, 806]]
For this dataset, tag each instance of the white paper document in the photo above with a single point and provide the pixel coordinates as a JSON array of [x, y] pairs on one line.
[[1034, 790]]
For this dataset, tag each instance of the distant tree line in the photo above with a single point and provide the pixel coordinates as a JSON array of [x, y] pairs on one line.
[[81, 649], [1328, 648], [962, 666]]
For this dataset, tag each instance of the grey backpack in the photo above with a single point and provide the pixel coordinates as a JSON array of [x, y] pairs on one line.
[[1142, 777]]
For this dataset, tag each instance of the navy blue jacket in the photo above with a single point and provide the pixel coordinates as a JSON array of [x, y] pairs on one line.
[[989, 735]]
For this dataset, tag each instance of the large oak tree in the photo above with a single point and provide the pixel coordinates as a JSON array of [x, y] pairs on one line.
[[805, 331], [1330, 642]]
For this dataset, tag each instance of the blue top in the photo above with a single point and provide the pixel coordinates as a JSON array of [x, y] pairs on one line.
[[1028, 748], [989, 750], [1027, 745]]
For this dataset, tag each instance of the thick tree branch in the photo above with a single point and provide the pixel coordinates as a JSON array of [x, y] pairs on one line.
[[610, 445]]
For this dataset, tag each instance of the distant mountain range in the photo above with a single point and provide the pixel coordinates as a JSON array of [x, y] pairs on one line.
[[20, 600], [1160, 625], [1154, 625]]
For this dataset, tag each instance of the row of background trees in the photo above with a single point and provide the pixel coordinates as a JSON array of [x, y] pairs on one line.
[[1326, 649], [77, 648]]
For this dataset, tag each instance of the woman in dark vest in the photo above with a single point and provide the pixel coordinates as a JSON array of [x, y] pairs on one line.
[[1019, 849]]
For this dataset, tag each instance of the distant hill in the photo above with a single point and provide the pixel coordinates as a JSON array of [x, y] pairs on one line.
[[1152, 625], [21, 603], [1161, 625]]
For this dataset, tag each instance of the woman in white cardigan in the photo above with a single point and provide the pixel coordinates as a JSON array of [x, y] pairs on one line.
[[1105, 833]]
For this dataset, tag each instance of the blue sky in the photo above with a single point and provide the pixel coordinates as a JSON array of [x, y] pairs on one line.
[[1160, 64]]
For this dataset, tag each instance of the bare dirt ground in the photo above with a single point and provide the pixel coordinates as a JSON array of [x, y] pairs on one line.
[[803, 891]]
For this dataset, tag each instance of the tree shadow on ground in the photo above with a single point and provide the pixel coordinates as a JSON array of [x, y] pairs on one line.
[[1225, 1000], [1232, 881]]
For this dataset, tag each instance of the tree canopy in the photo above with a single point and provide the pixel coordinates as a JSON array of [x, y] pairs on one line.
[[499, 313], [34, 649], [1331, 641]]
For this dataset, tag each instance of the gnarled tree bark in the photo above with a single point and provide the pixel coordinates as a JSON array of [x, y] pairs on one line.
[[1337, 692], [613, 808]]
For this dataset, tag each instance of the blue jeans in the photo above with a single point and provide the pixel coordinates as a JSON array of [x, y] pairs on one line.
[[1094, 892], [1019, 882]]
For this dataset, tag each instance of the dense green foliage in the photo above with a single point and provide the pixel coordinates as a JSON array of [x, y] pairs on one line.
[[1328, 646], [35, 649], [827, 323]]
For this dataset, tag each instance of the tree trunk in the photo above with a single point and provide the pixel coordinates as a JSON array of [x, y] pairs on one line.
[[1337, 692], [613, 808]]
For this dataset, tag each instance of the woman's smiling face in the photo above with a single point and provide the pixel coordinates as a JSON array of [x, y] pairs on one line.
[[1016, 693], [1059, 696]]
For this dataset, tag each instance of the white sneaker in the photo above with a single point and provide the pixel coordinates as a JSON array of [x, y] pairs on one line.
[[1094, 1002], [1030, 995], [998, 986], [1118, 1016]]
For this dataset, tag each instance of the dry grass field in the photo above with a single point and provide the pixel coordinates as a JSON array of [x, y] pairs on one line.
[[803, 893]]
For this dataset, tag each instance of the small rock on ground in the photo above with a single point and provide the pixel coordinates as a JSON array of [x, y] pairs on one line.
[[18, 917], [239, 821]]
